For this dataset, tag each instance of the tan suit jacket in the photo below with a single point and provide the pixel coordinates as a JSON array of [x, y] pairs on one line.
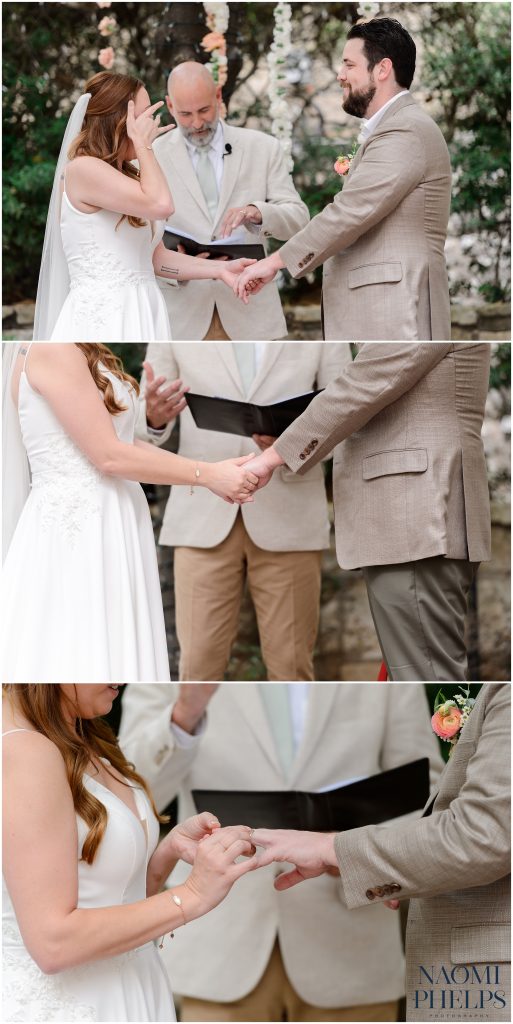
[[382, 238], [409, 472], [456, 863], [291, 514], [254, 172], [329, 953]]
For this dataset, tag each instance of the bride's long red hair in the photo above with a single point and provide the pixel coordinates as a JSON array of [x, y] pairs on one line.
[[97, 353], [41, 705], [104, 133]]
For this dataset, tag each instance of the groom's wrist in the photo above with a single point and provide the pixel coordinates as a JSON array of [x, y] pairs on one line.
[[272, 458], [328, 854]]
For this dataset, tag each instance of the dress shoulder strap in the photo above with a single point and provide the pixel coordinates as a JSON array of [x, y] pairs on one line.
[[9, 731], [26, 352]]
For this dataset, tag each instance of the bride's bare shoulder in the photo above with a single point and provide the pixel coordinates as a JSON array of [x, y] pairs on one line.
[[56, 353]]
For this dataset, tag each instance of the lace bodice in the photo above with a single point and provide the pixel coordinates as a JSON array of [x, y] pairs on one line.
[[64, 482], [105, 251]]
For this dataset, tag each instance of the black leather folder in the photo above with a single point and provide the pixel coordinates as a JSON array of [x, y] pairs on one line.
[[192, 247], [244, 418], [368, 802]]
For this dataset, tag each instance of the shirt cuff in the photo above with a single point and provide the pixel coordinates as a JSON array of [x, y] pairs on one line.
[[155, 431], [186, 740]]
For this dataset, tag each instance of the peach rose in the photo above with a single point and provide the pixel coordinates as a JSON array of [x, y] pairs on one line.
[[446, 723], [106, 26], [342, 165], [106, 58], [214, 41]]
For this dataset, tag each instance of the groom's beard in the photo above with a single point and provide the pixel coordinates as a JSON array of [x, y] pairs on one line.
[[357, 101], [201, 139]]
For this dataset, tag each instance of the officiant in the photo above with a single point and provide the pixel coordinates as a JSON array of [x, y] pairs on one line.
[[276, 543], [224, 181], [264, 955]]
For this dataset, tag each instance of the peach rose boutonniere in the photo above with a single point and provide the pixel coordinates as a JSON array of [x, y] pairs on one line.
[[344, 160], [450, 715]]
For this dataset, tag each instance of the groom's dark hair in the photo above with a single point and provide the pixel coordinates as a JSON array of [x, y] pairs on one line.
[[386, 37]]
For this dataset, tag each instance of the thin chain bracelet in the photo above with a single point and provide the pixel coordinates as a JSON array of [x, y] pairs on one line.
[[177, 900]]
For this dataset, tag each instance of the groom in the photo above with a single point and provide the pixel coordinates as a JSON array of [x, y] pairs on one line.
[[382, 238], [410, 491], [454, 864]]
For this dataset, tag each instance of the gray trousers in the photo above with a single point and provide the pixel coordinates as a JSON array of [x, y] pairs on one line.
[[419, 611]]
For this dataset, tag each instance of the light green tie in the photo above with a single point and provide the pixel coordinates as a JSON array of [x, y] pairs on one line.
[[244, 352], [206, 176], [275, 699]]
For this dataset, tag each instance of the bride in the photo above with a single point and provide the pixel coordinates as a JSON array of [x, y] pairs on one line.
[[83, 870], [103, 242], [81, 591]]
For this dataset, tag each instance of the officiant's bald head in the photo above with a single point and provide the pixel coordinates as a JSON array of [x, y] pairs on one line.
[[193, 100]]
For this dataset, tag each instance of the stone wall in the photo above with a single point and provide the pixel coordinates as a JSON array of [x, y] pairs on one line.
[[473, 322]]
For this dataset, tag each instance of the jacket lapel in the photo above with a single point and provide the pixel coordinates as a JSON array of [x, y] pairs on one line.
[[181, 164], [271, 354], [404, 101], [226, 354], [247, 698], [320, 703]]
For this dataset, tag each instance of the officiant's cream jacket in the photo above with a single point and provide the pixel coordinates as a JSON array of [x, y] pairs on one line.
[[332, 957], [409, 472], [291, 514], [382, 238], [254, 172], [455, 862]]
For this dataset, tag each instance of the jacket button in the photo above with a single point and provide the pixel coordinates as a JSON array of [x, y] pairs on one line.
[[314, 443], [387, 890], [379, 890], [395, 887], [370, 894], [302, 456]]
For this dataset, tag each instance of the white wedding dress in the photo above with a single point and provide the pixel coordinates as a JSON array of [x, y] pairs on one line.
[[113, 293], [132, 986], [81, 591]]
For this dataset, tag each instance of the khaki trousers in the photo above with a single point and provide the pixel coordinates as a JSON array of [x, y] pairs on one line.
[[274, 999], [285, 587], [216, 331], [419, 611]]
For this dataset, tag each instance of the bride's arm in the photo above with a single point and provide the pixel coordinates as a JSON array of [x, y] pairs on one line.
[[60, 373], [40, 869], [177, 266], [95, 183]]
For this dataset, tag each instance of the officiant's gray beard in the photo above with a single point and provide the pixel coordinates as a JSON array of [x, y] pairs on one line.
[[200, 141], [357, 102]]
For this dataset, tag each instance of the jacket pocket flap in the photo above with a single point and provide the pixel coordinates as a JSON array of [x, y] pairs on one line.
[[405, 460], [481, 944], [374, 273]]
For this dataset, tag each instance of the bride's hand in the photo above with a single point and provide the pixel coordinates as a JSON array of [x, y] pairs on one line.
[[231, 479], [215, 870], [230, 271], [144, 129], [185, 836]]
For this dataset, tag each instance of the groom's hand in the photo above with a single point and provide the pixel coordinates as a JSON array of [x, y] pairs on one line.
[[163, 404], [313, 853], [254, 278], [263, 465]]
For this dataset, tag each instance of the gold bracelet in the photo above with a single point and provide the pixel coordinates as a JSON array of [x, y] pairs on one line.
[[178, 902], [196, 477]]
